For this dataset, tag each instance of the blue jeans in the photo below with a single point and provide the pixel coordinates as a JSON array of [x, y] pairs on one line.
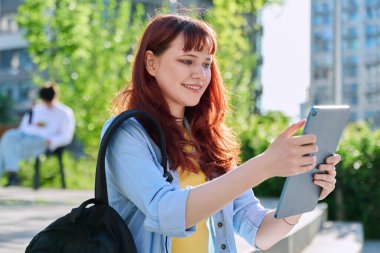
[[16, 146]]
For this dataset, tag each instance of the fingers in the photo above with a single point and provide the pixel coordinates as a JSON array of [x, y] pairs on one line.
[[327, 188], [327, 182], [325, 178], [307, 150], [308, 160], [328, 168], [292, 129], [334, 159], [304, 139]]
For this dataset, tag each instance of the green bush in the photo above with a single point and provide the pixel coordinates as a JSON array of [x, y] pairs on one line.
[[79, 174], [357, 195], [255, 137]]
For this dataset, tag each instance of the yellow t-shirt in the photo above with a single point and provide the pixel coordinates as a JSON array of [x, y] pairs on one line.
[[198, 241]]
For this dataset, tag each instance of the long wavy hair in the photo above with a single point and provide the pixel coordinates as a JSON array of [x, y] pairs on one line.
[[216, 149]]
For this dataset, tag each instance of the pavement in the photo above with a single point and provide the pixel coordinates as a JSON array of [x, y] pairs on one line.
[[24, 212]]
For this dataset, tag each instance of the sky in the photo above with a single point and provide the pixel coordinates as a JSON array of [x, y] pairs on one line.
[[286, 53]]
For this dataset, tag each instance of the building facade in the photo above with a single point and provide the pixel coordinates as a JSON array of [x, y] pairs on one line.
[[15, 64], [345, 56]]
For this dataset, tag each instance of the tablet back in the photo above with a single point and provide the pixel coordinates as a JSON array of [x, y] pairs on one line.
[[300, 194]]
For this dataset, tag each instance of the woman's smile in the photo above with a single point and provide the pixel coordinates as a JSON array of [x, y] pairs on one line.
[[193, 87]]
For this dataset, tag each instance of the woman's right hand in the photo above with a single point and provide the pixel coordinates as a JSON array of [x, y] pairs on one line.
[[289, 155]]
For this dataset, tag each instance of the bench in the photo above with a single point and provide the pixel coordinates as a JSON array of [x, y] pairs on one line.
[[58, 153]]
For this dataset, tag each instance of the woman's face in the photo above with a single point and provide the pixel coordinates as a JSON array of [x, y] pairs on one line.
[[182, 76]]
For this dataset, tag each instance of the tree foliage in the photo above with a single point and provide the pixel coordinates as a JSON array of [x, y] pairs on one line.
[[357, 196], [85, 46], [239, 33], [236, 56], [255, 137]]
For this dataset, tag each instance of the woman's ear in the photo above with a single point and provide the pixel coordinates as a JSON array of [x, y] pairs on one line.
[[150, 62]]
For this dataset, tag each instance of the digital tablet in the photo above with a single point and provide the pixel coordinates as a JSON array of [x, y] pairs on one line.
[[300, 194]]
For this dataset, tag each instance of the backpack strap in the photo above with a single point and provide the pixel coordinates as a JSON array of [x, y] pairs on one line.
[[100, 180]]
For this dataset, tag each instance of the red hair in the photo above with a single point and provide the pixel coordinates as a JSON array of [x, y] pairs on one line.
[[217, 149]]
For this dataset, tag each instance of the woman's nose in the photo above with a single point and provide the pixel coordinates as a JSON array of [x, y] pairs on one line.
[[199, 73]]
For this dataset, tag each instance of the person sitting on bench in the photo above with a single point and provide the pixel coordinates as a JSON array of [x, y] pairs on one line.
[[47, 126]]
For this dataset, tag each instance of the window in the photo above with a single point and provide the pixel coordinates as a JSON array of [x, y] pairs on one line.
[[350, 94], [371, 34], [350, 10], [322, 68], [350, 66], [321, 72], [371, 7], [6, 59], [322, 41], [350, 38], [372, 93], [322, 13], [372, 65], [26, 63], [8, 24], [9, 6], [321, 95], [15, 60]]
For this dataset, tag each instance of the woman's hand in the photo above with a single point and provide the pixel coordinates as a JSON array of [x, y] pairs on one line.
[[289, 155], [327, 181]]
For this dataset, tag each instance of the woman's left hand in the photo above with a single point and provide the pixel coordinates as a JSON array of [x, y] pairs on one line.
[[327, 180]]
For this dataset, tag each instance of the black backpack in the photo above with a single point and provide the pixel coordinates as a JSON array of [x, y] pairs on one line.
[[98, 228]]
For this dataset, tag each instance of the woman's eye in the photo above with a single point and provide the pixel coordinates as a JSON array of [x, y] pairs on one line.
[[187, 62], [207, 65]]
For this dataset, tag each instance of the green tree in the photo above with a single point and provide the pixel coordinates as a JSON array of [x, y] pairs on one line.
[[255, 137], [86, 47], [239, 31], [357, 195]]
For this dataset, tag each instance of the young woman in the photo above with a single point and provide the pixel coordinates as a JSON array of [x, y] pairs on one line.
[[176, 79]]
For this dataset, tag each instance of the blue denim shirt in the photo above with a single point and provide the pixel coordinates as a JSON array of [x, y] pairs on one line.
[[155, 209]]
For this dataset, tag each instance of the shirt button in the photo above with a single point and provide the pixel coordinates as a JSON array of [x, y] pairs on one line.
[[220, 224], [223, 246]]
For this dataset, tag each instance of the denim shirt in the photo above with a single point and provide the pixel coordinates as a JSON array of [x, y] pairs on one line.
[[154, 209]]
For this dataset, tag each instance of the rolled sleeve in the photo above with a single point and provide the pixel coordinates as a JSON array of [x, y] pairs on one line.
[[171, 214], [133, 170], [248, 216]]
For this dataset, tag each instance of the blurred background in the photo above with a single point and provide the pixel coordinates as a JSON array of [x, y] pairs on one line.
[[277, 58]]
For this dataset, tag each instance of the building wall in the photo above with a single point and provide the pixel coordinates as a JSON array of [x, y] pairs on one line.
[[345, 56], [15, 63]]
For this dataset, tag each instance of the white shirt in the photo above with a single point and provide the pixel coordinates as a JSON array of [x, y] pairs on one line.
[[55, 124]]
